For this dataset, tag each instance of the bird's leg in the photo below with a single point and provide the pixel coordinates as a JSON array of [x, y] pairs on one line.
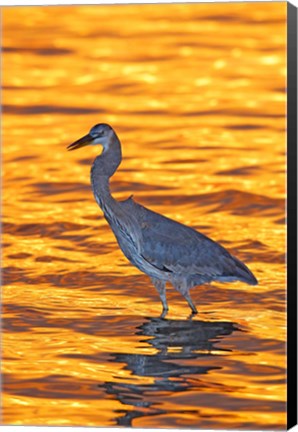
[[182, 287], [161, 288], [190, 303]]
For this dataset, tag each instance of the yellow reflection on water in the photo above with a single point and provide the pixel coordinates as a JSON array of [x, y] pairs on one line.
[[196, 93]]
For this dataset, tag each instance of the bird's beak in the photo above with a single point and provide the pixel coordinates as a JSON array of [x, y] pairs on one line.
[[87, 139]]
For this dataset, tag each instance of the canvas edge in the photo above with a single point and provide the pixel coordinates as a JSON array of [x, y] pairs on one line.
[[291, 215]]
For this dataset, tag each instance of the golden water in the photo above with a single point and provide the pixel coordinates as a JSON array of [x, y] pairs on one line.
[[196, 93]]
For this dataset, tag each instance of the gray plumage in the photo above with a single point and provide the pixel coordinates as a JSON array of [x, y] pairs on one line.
[[162, 248]]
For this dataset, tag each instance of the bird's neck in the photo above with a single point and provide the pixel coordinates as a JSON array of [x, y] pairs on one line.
[[103, 168]]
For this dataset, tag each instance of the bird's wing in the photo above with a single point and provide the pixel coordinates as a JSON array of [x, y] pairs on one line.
[[173, 247]]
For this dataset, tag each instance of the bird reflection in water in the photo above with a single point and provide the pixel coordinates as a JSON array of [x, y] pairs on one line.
[[173, 340]]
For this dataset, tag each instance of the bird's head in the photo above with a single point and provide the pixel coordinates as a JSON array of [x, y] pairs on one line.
[[99, 134]]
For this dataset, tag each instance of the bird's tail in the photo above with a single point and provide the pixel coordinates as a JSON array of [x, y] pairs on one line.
[[244, 273]]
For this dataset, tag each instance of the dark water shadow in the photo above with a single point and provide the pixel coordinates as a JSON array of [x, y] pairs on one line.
[[233, 201], [240, 171], [48, 188], [81, 237], [45, 51], [48, 109], [241, 113], [178, 343], [54, 230]]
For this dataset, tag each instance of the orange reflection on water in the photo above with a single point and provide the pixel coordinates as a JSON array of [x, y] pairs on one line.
[[196, 93]]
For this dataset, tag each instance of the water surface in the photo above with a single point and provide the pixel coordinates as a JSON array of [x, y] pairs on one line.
[[196, 93]]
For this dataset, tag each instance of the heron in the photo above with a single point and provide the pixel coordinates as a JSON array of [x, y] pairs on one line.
[[162, 248]]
